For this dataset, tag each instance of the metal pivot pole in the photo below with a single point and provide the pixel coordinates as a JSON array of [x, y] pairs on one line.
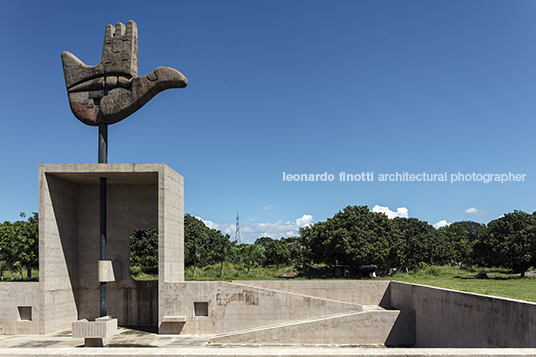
[[103, 159], [103, 143]]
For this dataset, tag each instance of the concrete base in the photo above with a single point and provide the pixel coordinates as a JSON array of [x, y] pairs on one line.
[[138, 196], [320, 312], [95, 333], [131, 342]]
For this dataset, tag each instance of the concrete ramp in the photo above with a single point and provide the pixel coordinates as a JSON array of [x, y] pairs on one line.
[[374, 327], [232, 307]]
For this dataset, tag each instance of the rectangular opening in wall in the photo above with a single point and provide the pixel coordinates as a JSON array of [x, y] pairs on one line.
[[25, 313], [201, 308]]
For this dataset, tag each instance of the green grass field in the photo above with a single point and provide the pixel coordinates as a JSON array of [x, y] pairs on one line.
[[500, 283], [6, 276]]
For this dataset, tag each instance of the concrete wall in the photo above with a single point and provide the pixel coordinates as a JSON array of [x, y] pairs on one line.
[[151, 196], [363, 292], [447, 318], [170, 226], [374, 327], [232, 307], [138, 196], [16, 295], [58, 251], [130, 206]]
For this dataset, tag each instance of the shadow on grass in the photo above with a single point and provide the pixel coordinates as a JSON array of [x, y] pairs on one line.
[[497, 278], [16, 280]]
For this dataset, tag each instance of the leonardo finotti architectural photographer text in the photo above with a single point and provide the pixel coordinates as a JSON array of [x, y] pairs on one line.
[[406, 177]]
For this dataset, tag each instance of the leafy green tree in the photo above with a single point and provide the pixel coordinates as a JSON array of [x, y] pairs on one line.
[[414, 241], [458, 246], [297, 248], [9, 249], [192, 254], [144, 250], [19, 245], [251, 255], [29, 252], [223, 251], [277, 252], [200, 242], [474, 229], [509, 242], [353, 237]]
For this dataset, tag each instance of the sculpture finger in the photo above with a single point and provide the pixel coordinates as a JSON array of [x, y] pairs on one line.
[[109, 34], [120, 49], [76, 72]]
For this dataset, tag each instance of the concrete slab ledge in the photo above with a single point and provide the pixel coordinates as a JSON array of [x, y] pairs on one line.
[[267, 352], [174, 319]]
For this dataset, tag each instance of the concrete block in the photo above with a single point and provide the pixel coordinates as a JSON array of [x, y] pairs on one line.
[[95, 333], [103, 327], [109, 271]]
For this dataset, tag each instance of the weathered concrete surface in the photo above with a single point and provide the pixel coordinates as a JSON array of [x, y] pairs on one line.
[[375, 327], [139, 196], [233, 307], [130, 342], [111, 90], [270, 351], [448, 318], [151, 196], [352, 291], [103, 327], [109, 270], [20, 294], [95, 333]]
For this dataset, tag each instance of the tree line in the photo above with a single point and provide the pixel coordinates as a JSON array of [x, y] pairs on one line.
[[204, 246], [352, 238], [19, 246], [356, 237]]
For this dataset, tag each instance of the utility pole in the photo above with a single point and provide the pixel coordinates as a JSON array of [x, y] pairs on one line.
[[237, 230]]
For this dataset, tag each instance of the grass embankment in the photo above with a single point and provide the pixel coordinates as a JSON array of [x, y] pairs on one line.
[[500, 283], [6, 276], [230, 272]]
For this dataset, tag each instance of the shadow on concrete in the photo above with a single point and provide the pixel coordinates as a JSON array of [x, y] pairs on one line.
[[147, 329], [402, 333], [67, 228]]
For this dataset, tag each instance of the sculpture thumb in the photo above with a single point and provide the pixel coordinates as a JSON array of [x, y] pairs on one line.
[[122, 102], [162, 78]]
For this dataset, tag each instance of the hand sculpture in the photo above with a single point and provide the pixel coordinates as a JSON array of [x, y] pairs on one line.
[[111, 91]]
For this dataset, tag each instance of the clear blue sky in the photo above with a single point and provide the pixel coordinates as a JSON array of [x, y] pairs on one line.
[[301, 87]]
